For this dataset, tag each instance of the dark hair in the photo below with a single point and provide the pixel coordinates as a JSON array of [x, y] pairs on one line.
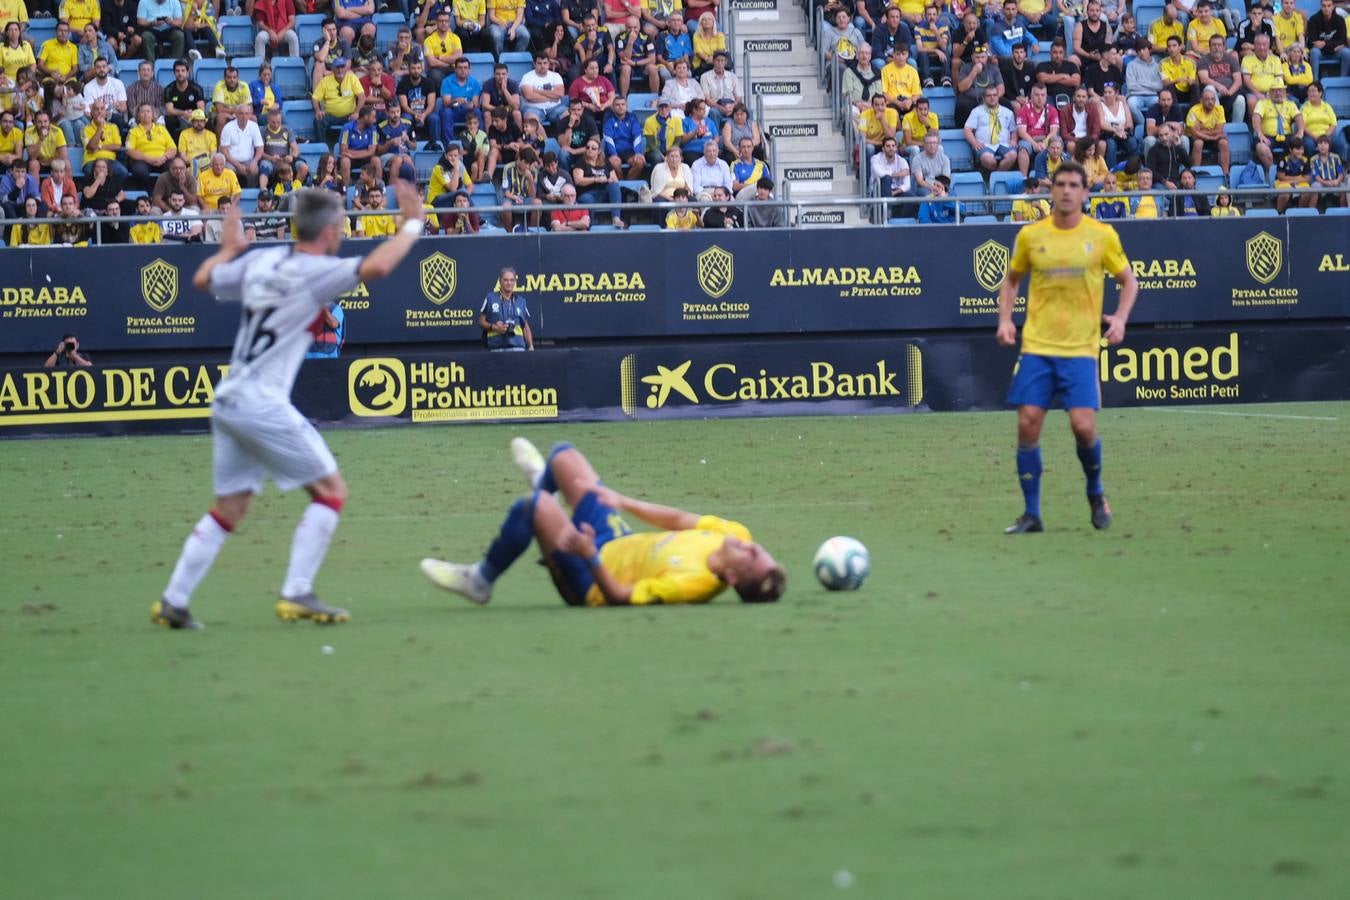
[[767, 590], [1143, 43], [548, 157], [766, 183], [500, 67], [1070, 168]]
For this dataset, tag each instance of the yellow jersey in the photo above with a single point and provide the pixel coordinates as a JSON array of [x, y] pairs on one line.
[[1205, 121], [1146, 208], [1302, 77], [211, 187], [1277, 119], [668, 566], [12, 143], [146, 233], [874, 129], [1160, 31], [1068, 268], [37, 235], [1319, 119], [448, 45], [1030, 210], [45, 148], [156, 143], [1198, 33], [438, 185], [197, 147], [1263, 73], [223, 96], [663, 7], [900, 81], [918, 128], [913, 9], [59, 57], [1180, 71], [376, 226], [338, 99], [503, 12], [13, 11], [1032, 7], [1225, 212], [468, 10], [705, 47], [1289, 29], [683, 220], [109, 135], [15, 58], [80, 13]]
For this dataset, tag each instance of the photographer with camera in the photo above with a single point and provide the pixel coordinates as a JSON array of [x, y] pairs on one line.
[[67, 353]]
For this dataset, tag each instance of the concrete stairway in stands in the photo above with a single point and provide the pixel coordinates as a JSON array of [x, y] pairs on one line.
[[810, 156]]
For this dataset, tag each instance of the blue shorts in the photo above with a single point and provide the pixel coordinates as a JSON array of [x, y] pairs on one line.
[[1038, 380], [572, 574], [998, 152]]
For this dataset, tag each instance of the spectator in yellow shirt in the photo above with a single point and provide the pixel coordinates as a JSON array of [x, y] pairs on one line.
[[15, 52], [1165, 26], [13, 11], [216, 181], [11, 141], [43, 143], [1178, 70], [229, 95], [900, 80], [1204, 126], [197, 144], [1290, 25], [337, 98], [146, 232], [1277, 125], [102, 140], [470, 20], [149, 147], [442, 47], [683, 219], [79, 13], [59, 60], [1030, 210], [376, 226], [1320, 119], [506, 25], [915, 127], [1298, 73], [1260, 69], [1203, 27], [878, 122]]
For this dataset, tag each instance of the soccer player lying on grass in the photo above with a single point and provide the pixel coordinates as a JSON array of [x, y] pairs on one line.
[[596, 560]]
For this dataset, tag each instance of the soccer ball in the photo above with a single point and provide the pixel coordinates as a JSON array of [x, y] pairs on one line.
[[842, 564]]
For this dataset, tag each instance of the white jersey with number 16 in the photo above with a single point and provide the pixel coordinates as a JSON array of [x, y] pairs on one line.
[[282, 293]]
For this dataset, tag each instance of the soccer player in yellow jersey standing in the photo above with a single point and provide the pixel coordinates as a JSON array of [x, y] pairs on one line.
[[594, 558], [1067, 256]]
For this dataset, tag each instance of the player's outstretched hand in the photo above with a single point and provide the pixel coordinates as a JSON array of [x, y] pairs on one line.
[[1006, 334], [1115, 329], [409, 201], [232, 238]]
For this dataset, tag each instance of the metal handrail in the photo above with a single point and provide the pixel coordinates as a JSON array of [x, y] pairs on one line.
[[869, 204]]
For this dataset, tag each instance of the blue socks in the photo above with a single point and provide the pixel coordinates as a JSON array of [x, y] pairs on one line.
[[1029, 477], [1091, 458], [546, 482], [514, 539]]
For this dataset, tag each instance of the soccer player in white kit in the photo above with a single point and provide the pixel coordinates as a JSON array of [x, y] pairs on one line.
[[255, 430]]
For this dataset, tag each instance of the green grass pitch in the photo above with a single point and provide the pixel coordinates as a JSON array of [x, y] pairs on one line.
[[1155, 711]]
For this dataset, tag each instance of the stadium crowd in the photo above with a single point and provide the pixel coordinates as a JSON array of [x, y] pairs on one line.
[[1193, 94], [150, 108], [534, 103]]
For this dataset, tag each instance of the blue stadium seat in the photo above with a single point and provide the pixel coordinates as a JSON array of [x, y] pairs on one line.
[[638, 101], [311, 152], [207, 72], [969, 184], [1338, 210], [75, 153], [944, 107], [164, 72], [41, 31], [249, 67], [981, 220], [480, 66], [1145, 13], [658, 227], [387, 25], [424, 161], [1239, 143], [1338, 95], [248, 198], [126, 69], [1309, 7], [299, 118], [957, 150], [1004, 184], [1301, 211], [236, 34], [133, 196], [1208, 179], [309, 28], [290, 78], [518, 62]]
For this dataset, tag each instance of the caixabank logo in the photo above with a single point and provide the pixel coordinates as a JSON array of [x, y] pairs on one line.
[[1264, 255], [646, 383]]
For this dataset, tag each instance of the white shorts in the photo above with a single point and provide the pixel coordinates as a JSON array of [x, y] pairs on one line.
[[252, 440]]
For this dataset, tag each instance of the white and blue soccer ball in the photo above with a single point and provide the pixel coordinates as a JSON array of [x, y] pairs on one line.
[[842, 564]]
